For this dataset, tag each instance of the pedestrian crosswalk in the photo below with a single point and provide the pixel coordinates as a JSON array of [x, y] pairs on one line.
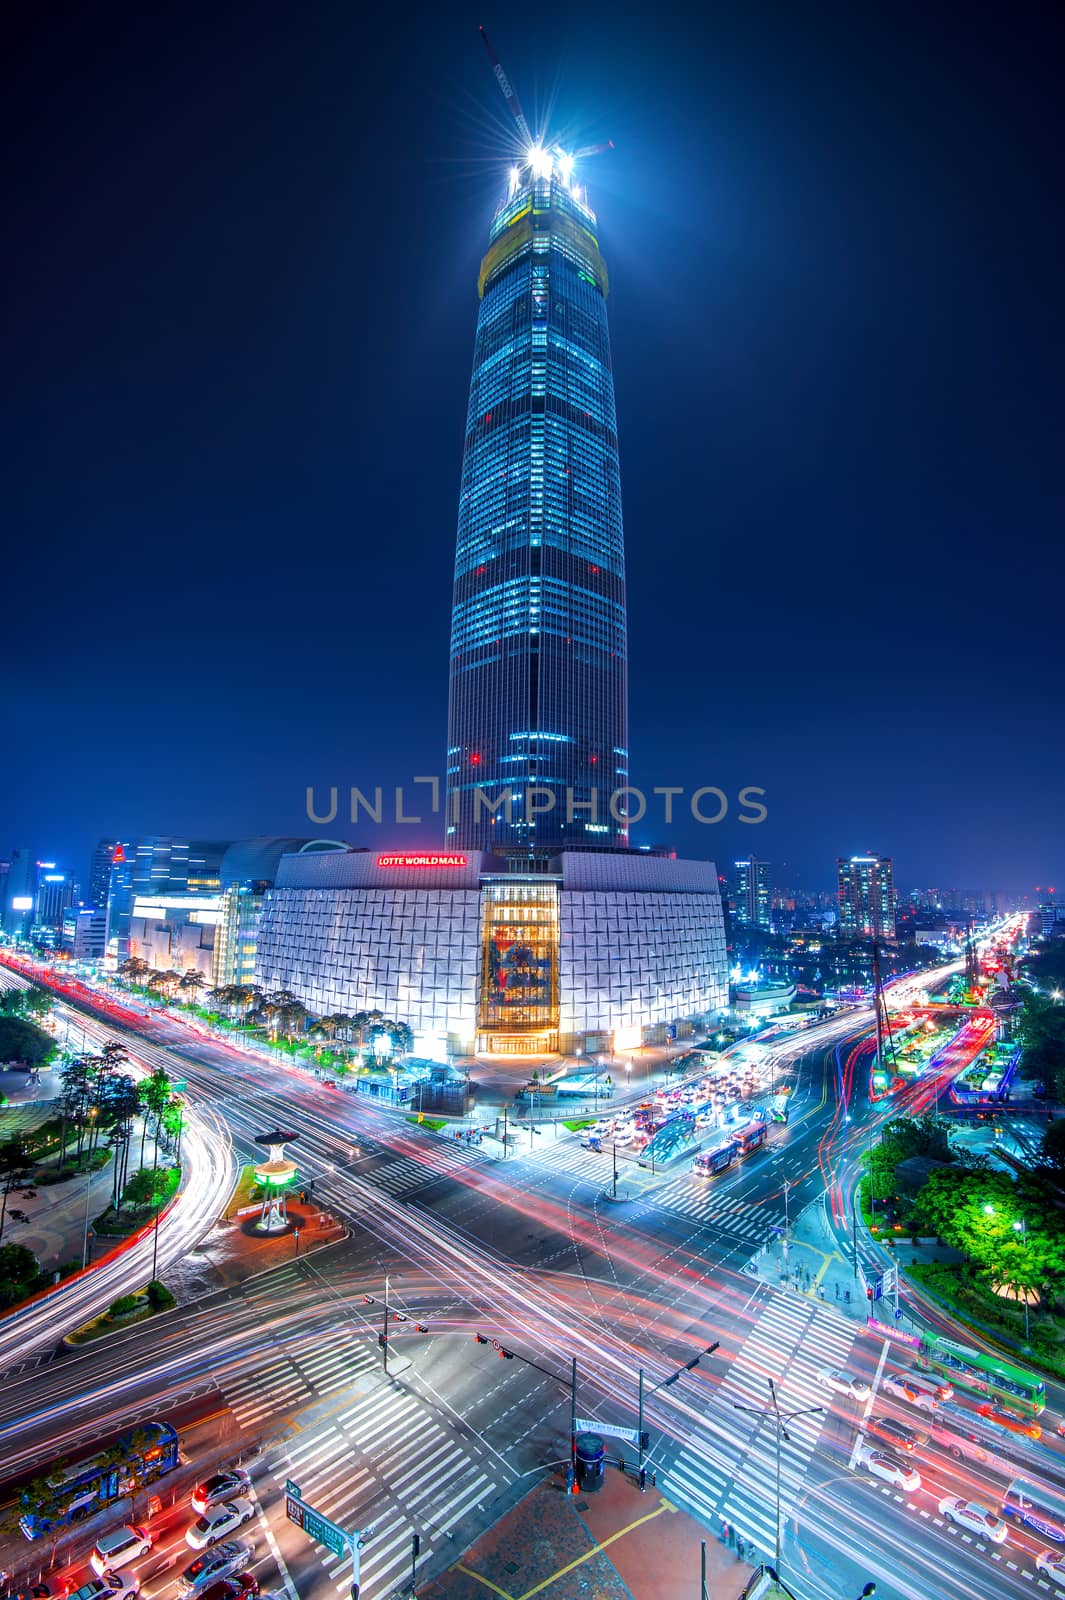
[[736, 1482], [404, 1174], [387, 1466], [561, 1155], [695, 1197], [289, 1380]]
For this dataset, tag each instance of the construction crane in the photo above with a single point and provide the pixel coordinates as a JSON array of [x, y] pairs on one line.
[[530, 146], [508, 95]]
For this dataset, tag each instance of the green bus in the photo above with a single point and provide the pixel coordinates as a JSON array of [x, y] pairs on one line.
[[1011, 1387]]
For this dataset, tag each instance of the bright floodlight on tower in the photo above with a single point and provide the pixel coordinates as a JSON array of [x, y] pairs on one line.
[[565, 166], [276, 1176], [541, 161]]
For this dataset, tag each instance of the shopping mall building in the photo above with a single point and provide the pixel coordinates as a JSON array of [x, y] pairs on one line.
[[604, 951]]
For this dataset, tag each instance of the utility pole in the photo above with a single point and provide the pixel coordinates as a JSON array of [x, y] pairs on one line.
[[573, 1430], [787, 1234], [506, 1108], [614, 1153], [704, 1592], [384, 1335], [639, 1434], [780, 1422]]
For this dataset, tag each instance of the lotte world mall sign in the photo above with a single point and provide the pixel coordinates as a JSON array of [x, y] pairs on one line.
[[422, 861]]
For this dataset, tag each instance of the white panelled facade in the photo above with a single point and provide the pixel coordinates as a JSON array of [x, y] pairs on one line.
[[641, 941]]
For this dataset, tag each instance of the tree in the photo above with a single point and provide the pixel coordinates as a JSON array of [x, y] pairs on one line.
[[16, 1169], [901, 1138], [145, 1187], [18, 1268], [190, 983], [134, 969], [154, 1094], [23, 1041]]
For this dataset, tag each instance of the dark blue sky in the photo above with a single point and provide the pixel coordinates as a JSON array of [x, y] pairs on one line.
[[242, 251]]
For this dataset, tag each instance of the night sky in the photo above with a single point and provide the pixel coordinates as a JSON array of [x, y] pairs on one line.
[[242, 244]]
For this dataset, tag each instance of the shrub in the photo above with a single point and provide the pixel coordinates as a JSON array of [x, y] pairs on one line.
[[124, 1305], [159, 1296]]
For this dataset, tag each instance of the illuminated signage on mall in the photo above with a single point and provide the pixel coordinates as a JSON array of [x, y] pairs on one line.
[[422, 861]]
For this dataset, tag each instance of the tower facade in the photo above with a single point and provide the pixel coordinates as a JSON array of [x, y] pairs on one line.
[[866, 897], [751, 888], [538, 715]]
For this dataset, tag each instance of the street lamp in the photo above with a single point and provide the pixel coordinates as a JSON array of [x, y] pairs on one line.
[[780, 1423], [1021, 1227]]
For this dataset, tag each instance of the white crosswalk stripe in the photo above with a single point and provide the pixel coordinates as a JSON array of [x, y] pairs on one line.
[[697, 1197], [789, 1342], [407, 1173], [386, 1461]]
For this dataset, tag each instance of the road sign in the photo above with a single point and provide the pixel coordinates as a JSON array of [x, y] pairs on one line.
[[593, 1425], [314, 1525], [888, 1279], [179, 1085]]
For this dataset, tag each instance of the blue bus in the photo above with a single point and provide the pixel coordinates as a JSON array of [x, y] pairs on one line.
[[716, 1159], [69, 1493]]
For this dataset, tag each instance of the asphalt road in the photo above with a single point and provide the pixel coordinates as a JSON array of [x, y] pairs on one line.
[[529, 1251]]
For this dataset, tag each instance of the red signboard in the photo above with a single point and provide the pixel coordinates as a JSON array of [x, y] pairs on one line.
[[442, 860]]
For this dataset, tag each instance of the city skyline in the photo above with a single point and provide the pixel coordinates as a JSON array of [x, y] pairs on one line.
[[230, 499]]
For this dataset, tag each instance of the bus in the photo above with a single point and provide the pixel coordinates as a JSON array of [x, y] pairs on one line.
[[1039, 1508], [716, 1159], [751, 1137], [1012, 1387], [70, 1493]]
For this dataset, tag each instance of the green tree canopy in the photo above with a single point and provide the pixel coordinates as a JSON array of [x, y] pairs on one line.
[[21, 1040]]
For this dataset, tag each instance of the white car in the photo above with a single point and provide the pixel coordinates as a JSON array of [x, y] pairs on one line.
[[224, 1561], [115, 1586], [218, 1521], [842, 1383], [898, 1473], [977, 1518], [1052, 1562]]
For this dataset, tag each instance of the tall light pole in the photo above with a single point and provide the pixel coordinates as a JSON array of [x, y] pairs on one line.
[[780, 1423], [1021, 1227], [85, 1231], [787, 1234]]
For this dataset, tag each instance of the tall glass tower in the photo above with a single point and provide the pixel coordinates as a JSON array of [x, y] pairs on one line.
[[538, 716]]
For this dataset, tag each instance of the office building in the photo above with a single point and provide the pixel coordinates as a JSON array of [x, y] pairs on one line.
[[751, 892], [538, 687], [866, 897], [100, 873]]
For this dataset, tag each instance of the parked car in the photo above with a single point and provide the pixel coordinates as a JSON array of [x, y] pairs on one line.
[[977, 1518], [119, 1548], [223, 1561], [898, 1473], [842, 1383], [222, 1486], [894, 1434], [1052, 1562], [217, 1522]]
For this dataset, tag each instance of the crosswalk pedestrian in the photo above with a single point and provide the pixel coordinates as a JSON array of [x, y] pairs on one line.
[[694, 1197], [390, 1464], [736, 1480]]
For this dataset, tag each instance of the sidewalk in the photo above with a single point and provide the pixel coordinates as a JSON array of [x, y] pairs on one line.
[[811, 1264], [617, 1544]]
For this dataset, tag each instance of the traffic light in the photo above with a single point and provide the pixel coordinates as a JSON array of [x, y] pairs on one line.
[[382, 1339], [415, 1546], [869, 1292], [645, 1440], [420, 1327], [480, 1337], [505, 1355], [368, 1300]]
